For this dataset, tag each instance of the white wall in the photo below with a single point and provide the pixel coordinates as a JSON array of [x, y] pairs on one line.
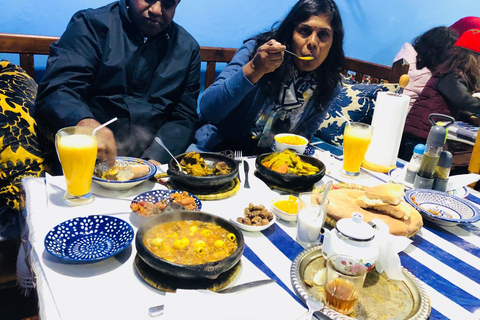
[[374, 29]]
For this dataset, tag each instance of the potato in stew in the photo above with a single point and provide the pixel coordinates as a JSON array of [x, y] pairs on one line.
[[190, 242]]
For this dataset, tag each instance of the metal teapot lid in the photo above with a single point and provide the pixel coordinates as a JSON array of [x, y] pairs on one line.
[[355, 228]]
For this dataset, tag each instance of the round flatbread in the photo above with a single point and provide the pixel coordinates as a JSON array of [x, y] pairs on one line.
[[343, 203]]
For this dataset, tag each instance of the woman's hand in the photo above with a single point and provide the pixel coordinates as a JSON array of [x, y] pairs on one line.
[[107, 147], [267, 59]]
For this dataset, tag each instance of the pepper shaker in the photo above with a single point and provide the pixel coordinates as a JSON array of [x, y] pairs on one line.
[[442, 172]]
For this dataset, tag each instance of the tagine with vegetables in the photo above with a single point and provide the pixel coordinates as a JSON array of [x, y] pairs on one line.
[[288, 162], [195, 165]]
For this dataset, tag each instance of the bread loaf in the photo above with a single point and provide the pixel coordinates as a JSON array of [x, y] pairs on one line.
[[343, 203], [391, 193], [127, 173]]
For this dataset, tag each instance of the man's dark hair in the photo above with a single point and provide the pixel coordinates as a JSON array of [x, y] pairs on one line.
[[328, 74], [432, 47]]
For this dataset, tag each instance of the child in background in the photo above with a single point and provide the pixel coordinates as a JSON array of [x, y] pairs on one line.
[[424, 55], [449, 91]]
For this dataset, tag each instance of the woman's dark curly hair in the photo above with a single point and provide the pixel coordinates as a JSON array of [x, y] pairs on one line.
[[432, 47], [464, 62], [328, 74]]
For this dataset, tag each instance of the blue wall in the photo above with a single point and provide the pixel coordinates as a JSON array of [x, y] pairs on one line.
[[375, 30]]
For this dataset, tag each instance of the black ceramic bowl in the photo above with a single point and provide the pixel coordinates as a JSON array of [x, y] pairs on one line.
[[210, 270], [289, 180], [207, 182]]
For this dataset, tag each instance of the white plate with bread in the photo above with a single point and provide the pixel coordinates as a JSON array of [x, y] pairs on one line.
[[125, 174]]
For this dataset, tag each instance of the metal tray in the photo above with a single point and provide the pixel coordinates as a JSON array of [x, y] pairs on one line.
[[420, 304]]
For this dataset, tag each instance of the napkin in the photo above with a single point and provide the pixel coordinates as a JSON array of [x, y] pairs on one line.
[[263, 302], [389, 246], [462, 180]]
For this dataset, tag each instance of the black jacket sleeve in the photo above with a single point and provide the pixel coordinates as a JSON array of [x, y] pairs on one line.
[[70, 74], [454, 89]]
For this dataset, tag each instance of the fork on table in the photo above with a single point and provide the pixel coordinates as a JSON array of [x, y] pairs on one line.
[[237, 156]]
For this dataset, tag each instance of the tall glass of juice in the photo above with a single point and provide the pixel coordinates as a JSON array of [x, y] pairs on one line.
[[77, 151], [356, 139]]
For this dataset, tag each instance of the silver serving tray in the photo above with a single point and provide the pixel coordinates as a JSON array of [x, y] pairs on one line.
[[421, 301]]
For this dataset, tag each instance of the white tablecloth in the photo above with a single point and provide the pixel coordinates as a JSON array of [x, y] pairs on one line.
[[445, 259]]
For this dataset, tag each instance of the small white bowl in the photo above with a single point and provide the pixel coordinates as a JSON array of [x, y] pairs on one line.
[[297, 148], [246, 227], [282, 214]]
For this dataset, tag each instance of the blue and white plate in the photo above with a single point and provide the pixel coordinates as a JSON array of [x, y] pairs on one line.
[[309, 150], [441, 207], [155, 196], [89, 239], [101, 167]]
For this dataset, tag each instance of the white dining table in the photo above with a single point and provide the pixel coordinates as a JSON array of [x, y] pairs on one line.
[[444, 259]]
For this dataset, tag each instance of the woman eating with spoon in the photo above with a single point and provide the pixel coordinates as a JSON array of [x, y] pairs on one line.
[[264, 91]]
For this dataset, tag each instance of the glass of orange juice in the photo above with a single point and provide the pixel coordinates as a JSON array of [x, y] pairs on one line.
[[356, 139], [77, 151]]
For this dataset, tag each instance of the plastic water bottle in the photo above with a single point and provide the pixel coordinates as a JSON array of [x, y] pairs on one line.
[[414, 164]]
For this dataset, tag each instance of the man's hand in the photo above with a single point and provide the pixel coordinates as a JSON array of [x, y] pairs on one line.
[[267, 59], [107, 147]]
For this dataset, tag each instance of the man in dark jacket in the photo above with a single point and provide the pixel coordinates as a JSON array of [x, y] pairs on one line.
[[128, 60]]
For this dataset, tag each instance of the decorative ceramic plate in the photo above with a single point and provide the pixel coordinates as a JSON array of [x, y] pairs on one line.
[[88, 239], [398, 175], [441, 207], [380, 299], [247, 227], [165, 196], [102, 167], [309, 150]]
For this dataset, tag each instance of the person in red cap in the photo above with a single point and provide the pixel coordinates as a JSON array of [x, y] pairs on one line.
[[465, 24], [449, 91]]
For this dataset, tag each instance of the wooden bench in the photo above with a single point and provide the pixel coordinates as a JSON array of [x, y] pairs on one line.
[[27, 46]]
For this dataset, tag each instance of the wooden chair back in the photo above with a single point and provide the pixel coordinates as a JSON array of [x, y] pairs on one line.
[[29, 45]]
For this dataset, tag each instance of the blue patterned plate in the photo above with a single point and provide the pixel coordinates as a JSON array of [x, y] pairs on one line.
[[309, 150], [441, 207], [155, 196], [101, 167], [88, 239]]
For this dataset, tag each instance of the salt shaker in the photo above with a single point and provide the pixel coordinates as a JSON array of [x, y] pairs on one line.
[[414, 164]]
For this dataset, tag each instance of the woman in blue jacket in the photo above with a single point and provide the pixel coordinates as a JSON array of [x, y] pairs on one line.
[[264, 91]]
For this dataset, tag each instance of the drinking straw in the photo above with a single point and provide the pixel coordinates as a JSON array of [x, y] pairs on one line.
[[103, 125], [327, 188], [342, 116]]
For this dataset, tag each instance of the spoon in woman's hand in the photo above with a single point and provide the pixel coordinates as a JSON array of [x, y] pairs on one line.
[[307, 58], [160, 142]]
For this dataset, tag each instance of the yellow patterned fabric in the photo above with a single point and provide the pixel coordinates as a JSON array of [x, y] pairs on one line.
[[20, 153]]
